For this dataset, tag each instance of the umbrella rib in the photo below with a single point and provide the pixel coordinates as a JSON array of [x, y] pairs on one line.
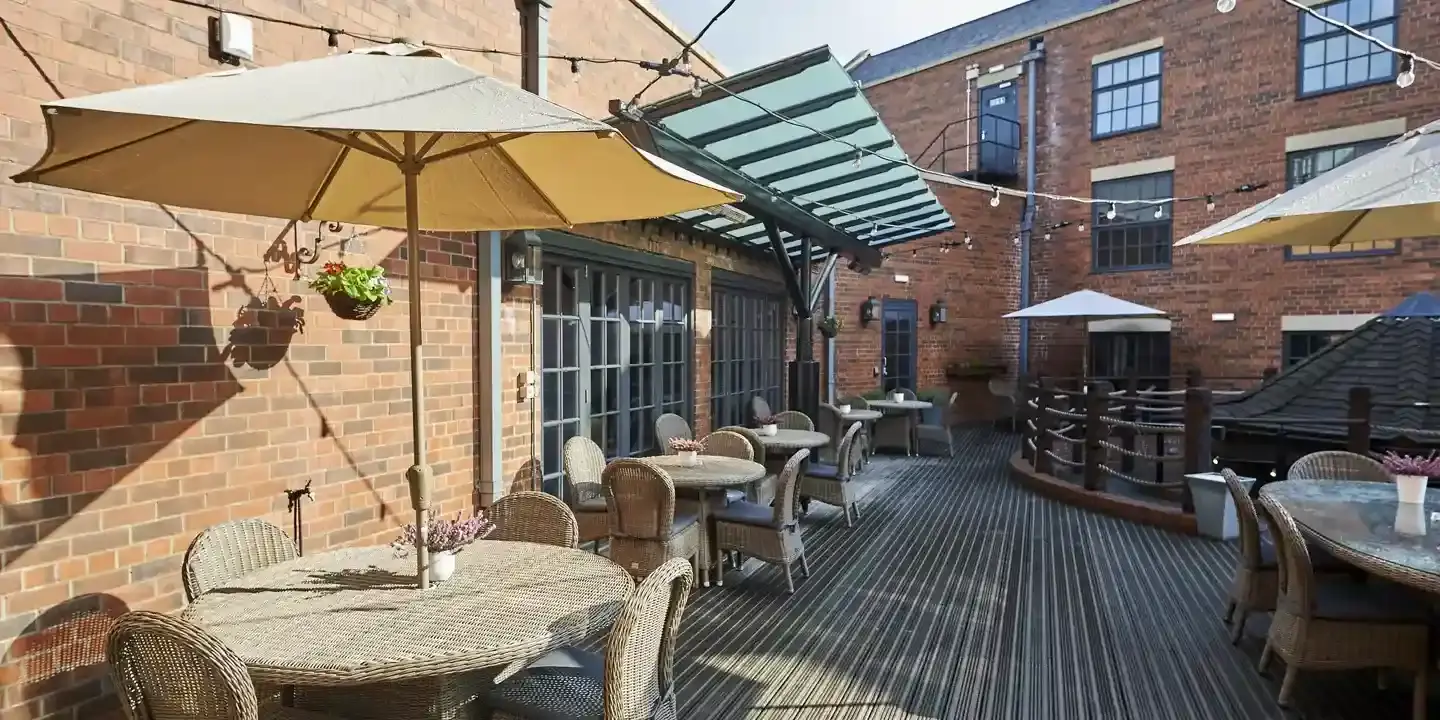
[[472, 147], [358, 144], [325, 183], [32, 176], [434, 138], [500, 147], [1341, 237], [382, 142]]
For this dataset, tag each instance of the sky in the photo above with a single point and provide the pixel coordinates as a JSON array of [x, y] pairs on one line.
[[755, 32]]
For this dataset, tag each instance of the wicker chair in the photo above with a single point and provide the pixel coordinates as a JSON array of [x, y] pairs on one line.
[[726, 443], [1337, 465], [794, 420], [228, 550], [1257, 576], [634, 679], [893, 430], [831, 484], [759, 408], [828, 421], [644, 530], [939, 435], [165, 667], [584, 493], [763, 490], [671, 427], [535, 517], [1340, 625], [1006, 393], [859, 403], [771, 534]]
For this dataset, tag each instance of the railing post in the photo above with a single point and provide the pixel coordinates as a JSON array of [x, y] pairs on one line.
[[1269, 374], [1194, 378], [1096, 405], [1199, 455], [1043, 421], [1357, 437], [1023, 417], [1128, 413]]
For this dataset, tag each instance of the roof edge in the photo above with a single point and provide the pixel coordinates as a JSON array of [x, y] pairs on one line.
[[991, 46], [680, 36]]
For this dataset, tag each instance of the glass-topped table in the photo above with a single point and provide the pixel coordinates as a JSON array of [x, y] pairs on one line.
[[1363, 524]]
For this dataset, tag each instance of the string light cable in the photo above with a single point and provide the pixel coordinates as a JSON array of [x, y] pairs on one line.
[[1405, 78]]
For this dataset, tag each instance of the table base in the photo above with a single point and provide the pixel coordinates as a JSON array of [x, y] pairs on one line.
[[449, 697]]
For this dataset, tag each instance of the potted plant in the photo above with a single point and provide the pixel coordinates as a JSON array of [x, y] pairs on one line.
[[688, 450], [830, 326], [353, 293], [444, 538], [768, 425], [1412, 474]]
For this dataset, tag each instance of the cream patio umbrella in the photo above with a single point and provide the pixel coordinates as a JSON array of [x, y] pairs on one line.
[[1389, 194], [395, 135], [1086, 305]]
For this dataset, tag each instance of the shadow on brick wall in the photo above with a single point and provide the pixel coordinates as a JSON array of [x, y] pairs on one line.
[[58, 658]]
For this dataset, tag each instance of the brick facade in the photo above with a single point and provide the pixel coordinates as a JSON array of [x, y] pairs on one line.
[[1229, 103], [162, 370]]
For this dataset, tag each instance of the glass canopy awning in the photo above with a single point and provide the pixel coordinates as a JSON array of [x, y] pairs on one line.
[[807, 184]]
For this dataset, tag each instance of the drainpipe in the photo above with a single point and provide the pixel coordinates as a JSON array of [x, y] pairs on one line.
[[830, 346], [1032, 62], [534, 43]]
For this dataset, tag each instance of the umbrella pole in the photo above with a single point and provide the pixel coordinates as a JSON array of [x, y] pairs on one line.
[[419, 473]]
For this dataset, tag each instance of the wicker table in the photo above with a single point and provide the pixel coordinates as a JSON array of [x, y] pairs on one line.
[[788, 441], [911, 409], [355, 618], [713, 472], [1363, 524]]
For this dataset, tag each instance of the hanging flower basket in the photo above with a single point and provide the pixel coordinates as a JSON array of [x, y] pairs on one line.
[[353, 293], [829, 327]]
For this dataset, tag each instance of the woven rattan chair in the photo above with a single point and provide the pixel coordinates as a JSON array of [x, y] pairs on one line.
[[584, 493], [644, 530], [859, 403], [939, 435], [1337, 465], [771, 534], [1257, 576], [726, 443], [893, 430], [759, 408], [635, 678], [794, 420], [828, 421], [1005, 391], [535, 517], [165, 668], [671, 427], [763, 490], [1340, 625], [226, 551], [831, 484]]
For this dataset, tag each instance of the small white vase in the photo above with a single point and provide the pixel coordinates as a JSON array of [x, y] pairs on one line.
[[1411, 488], [845, 409], [897, 397], [1409, 519], [769, 430], [442, 566], [689, 458]]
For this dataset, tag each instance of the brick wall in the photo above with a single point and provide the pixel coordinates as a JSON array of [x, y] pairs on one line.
[[162, 370], [1229, 102]]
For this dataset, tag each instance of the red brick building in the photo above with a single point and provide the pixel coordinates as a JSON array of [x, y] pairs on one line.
[[1136, 99]]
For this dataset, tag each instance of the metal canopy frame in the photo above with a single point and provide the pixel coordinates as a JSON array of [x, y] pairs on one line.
[[799, 183]]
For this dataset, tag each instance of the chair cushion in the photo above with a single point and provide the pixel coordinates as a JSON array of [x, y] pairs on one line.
[[592, 505], [823, 471], [746, 513], [682, 521], [568, 684], [733, 496], [1368, 602]]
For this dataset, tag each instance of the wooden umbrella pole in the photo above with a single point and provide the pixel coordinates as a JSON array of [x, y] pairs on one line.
[[419, 474]]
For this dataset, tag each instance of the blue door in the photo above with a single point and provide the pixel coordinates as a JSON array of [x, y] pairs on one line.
[[1000, 130], [897, 345]]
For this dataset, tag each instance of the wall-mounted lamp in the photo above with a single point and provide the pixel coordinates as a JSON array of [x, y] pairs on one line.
[[521, 254], [868, 309], [939, 314]]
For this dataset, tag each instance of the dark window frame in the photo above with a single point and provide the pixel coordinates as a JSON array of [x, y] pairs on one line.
[[1291, 183], [1151, 348], [1099, 224], [1331, 32], [1316, 340], [1095, 90], [747, 346]]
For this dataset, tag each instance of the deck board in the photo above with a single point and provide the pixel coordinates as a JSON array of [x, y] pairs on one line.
[[960, 595]]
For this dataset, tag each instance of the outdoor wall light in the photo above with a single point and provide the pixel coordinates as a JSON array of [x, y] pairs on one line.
[[868, 309], [939, 314], [521, 255]]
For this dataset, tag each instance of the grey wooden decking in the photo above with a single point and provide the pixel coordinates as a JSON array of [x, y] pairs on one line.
[[959, 595]]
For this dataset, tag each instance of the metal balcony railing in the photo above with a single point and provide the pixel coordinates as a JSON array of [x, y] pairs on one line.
[[984, 147]]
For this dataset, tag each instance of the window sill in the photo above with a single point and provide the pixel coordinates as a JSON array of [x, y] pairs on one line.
[[1302, 95], [1137, 268], [1350, 255], [1106, 136]]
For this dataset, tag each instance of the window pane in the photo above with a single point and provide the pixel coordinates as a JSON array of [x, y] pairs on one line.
[[1152, 64], [1135, 238], [1102, 102], [1152, 91], [1102, 124], [1103, 76], [1312, 54], [1151, 114], [1382, 9], [1121, 71]]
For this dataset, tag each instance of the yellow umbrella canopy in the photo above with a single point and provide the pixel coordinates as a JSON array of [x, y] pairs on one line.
[[394, 135], [1389, 194]]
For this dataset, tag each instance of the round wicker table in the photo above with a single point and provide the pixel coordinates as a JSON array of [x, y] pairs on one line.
[[354, 617], [712, 472], [1363, 524], [911, 409], [788, 441]]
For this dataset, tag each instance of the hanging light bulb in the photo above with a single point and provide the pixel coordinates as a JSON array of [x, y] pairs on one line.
[[1110, 214], [967, 239], [914, 253], [1015, 240], [1047, 236], [332, 38], [1159, 211], [1406, 78], [1082, 227], [859, 158], [995, 199], [945, 248], [1224, 6], [1210, 203], [575, 70], [695, 88]]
